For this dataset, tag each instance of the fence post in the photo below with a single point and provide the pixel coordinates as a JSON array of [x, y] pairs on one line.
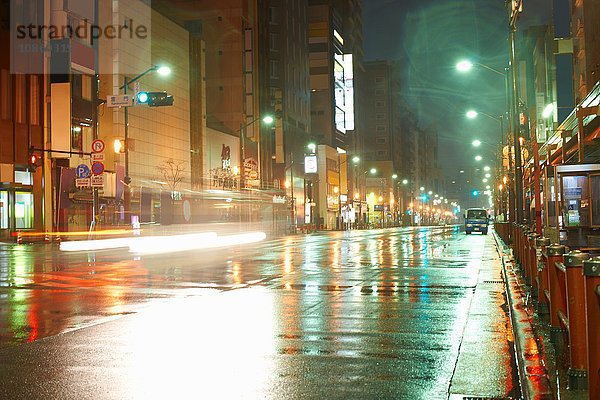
[[541, 245], [554, 295], [577, 374]]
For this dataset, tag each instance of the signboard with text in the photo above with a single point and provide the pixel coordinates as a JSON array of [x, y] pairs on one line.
[[310, 164], [97, 181]]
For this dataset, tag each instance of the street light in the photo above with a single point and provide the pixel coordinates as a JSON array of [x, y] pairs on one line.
[[478, 158], [267, 119], [471, 114], [355, 159], [405, 181], [476, 143], [162, 70], [373, 171], [340, 151], [486, 168], [466, 66]]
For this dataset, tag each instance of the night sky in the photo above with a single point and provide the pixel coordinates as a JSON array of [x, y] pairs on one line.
[[431, 36]]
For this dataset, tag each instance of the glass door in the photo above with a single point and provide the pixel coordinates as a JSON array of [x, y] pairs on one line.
[[23, 210]]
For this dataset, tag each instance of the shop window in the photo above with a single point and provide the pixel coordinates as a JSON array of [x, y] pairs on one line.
[[3, 209], [24, 178], [77, 138], [23, 210], [576, 209], [595, 199]]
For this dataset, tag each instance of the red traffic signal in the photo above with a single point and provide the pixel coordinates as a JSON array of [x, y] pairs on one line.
[[35, 160]]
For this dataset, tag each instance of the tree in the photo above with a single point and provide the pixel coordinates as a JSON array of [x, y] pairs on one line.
[[172, 172]]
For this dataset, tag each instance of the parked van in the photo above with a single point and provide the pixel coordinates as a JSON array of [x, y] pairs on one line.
[[476, 220]]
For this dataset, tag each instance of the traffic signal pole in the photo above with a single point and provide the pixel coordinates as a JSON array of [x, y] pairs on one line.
[[127, 179]]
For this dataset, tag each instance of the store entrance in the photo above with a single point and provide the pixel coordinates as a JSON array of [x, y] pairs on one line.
[[16, 210]]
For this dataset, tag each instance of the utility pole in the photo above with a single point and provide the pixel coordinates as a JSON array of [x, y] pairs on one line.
[[518, 184]]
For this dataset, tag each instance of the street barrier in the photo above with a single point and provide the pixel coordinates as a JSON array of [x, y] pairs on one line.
[[591, 272], [575, 319], [556, 294], [541, 244], [568, 285], [503, 230]]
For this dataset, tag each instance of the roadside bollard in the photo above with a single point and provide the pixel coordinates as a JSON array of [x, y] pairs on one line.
[[576, 318], [591, 272], [541, 245], [556, 295]]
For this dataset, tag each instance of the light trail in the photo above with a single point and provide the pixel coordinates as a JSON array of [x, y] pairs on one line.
[[165, 244]]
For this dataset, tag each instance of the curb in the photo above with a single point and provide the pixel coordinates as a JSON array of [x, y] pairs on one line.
[[533, 374]]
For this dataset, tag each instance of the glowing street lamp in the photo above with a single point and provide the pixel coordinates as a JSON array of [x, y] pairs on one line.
[[476, 143], [478, 158], [471, 114], [464, 65]]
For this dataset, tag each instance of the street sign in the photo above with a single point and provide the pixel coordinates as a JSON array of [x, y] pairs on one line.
[[97, 168], [86, 182], [310, 164], [97, 181], [98, 146], [119, 100], [82, 171], [97, 157]]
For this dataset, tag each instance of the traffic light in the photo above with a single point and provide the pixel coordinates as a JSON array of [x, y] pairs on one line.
[[475, 193], [155, 99], [35, 159]]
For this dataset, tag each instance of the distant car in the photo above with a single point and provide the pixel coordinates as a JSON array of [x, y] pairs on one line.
[[476, 220]]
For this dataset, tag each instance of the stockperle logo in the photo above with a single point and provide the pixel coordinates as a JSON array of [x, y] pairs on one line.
[[70, 36]]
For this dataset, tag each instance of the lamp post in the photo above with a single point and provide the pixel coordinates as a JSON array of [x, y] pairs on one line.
[[510, 71], [267, 119], [163, 71], [340, 220], [357, 219]]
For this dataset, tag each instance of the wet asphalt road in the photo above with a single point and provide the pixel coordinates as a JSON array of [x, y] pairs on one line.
[[398, 313]]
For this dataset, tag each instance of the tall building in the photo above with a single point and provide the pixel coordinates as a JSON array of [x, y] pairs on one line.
[[22, 116], [285, 92], [382, 148], [335, 40]]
